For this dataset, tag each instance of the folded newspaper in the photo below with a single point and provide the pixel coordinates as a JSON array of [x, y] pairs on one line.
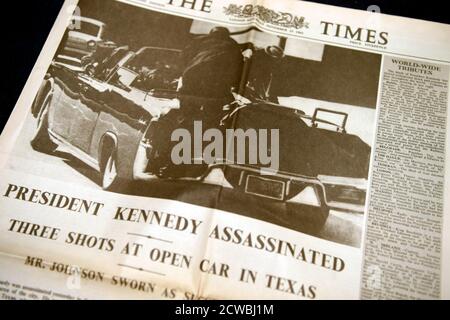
[[229, 149]]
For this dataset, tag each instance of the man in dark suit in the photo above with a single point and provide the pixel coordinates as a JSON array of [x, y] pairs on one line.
[[213, 65]]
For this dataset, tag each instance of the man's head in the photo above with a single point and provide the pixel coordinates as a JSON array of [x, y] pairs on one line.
[[219, 32]]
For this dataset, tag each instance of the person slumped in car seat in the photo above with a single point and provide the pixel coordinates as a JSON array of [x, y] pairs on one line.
[[158, 76]]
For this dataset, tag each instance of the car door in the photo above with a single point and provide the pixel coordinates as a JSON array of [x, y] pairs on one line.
[[75, 117], [65, 99], [87, 112]]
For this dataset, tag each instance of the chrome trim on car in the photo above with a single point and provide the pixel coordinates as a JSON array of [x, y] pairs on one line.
[[78, 153]]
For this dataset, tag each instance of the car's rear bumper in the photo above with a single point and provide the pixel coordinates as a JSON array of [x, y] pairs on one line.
[[316, 193], [295, 216]]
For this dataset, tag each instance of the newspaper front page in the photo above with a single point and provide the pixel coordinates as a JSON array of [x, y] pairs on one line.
[[232, 149]]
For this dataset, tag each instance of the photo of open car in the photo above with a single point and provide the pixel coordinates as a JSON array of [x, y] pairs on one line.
[[108, 119], [229, 119]]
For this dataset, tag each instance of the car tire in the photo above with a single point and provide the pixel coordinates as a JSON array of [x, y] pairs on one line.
[[41, 141], [109, 169]]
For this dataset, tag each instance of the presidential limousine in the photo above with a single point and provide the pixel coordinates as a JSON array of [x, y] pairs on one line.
[[105, 118]]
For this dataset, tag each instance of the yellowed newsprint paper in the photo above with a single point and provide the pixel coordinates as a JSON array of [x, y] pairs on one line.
[[229, 149]]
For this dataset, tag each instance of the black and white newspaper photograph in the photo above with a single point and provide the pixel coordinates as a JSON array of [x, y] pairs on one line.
[[192, 150], [234, 119]]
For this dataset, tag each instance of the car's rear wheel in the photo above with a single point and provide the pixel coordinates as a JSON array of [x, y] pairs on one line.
[[41, 140], [109, 167]]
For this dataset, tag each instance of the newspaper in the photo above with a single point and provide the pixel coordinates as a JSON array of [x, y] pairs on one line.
[[232, 149]]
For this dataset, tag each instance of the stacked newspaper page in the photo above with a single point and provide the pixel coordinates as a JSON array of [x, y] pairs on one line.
[[229, 149]]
